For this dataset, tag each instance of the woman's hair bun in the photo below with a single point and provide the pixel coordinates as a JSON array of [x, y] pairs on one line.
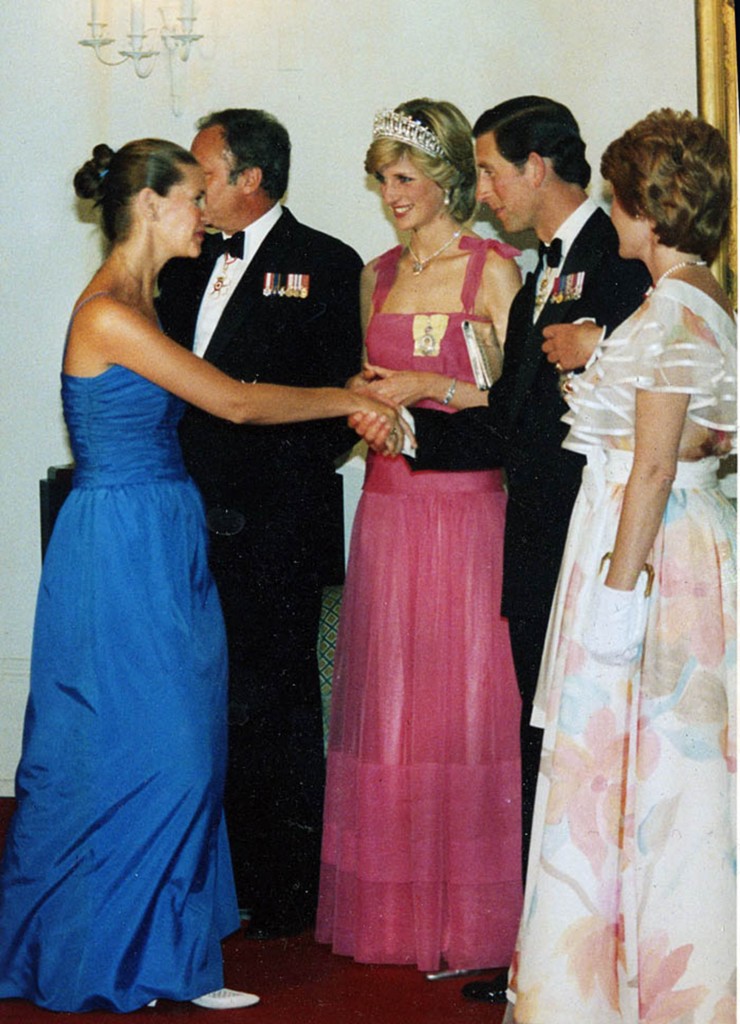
[[88, 181]]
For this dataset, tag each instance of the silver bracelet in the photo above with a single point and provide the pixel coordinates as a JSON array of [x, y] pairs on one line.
[[450, 392]]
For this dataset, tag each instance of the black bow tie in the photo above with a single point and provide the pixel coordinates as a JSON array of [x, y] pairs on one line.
[[216, 245], [551, 253]]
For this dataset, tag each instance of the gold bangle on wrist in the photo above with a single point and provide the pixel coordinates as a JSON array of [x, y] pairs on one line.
[[647, 569]]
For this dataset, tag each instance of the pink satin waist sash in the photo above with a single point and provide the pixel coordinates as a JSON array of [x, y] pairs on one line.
[[394, 476]]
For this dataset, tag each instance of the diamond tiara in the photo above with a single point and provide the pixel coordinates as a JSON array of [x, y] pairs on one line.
[[391, 125]]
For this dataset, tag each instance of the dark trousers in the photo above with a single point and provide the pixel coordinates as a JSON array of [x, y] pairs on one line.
[[527, 643], [271, 599]]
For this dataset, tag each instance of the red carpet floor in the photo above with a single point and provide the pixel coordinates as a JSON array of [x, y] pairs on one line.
[[300, 982]]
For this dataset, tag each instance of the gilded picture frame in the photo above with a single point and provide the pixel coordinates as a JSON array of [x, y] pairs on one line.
[[717, 103]]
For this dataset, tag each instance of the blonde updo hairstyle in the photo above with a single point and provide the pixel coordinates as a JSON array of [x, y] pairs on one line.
[[455, 172], [674, 169]]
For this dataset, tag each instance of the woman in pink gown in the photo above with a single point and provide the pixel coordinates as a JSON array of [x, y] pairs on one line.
[[421, 847]]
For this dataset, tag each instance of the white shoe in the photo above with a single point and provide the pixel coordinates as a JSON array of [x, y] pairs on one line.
[[225, 999]]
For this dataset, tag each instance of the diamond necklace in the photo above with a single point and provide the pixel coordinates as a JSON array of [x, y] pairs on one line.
[[419, 263], [679, 266]]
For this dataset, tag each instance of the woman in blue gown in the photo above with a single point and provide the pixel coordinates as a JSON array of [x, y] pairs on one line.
[[116, 886]]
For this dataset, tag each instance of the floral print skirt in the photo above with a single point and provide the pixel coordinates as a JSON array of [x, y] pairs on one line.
[[630, 901]]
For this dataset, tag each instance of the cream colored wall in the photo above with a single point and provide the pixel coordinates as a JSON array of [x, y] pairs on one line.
[[323, 69]]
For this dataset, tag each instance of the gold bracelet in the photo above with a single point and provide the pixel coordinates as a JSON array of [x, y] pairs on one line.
[[647, 569]]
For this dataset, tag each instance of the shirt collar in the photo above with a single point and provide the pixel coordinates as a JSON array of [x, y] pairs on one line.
[[258, 230], [573, 225]]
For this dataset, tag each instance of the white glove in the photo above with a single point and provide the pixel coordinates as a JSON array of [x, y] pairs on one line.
[[615, 624]]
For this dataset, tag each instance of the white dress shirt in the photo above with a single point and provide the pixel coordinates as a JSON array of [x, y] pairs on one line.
[[567, 233], [227, 273]]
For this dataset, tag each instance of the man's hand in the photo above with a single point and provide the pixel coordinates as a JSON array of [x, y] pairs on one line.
[[570, 346], [382, 434]]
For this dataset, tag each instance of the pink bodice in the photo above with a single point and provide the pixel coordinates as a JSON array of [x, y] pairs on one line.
[[395, 340], [433, 343]]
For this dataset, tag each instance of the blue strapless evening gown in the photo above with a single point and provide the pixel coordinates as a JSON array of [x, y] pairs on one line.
[[116, 884]]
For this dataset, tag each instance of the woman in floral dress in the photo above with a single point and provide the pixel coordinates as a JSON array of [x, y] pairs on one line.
[[630, 903]]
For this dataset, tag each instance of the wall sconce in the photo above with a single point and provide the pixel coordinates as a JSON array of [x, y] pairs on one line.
[[176, 40]]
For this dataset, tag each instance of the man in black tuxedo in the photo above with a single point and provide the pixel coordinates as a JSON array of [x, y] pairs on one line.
[[532, 174], [280, 305]]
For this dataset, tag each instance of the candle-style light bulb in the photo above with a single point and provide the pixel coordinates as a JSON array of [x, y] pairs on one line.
[[137, 18]]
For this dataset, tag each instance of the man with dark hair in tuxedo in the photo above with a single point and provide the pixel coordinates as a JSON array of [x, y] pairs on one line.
[[532, 174], [268, 299]]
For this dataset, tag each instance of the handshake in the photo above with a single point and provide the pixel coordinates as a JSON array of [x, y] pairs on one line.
[[388, 432]]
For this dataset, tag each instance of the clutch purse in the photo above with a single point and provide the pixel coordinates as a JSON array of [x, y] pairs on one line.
[[484, 351]]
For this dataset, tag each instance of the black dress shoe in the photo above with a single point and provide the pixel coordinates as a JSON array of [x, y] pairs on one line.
[[491, 991]]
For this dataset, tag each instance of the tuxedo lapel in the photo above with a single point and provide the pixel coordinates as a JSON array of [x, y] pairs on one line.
[[583, 257], [242, 304], [234, 317], [179, 318], [530, 348]]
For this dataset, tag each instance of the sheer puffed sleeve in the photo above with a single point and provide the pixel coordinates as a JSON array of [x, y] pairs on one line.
[[678, 341]]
